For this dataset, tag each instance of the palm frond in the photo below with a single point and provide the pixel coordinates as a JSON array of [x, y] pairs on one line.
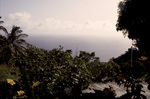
[[15, 31], [4, 29], [3, 40], [1, 22], [21, 36], [20, 41]]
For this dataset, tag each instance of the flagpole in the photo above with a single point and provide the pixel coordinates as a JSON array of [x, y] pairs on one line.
[[131, 52], [131, 55], [136, 48]]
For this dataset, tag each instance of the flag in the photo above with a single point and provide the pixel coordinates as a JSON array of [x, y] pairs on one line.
[[134, 47]]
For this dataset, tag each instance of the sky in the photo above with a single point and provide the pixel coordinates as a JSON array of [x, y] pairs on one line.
[[79, 25]]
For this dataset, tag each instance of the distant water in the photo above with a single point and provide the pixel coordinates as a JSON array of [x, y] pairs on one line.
[[104, 48], [120, 90]]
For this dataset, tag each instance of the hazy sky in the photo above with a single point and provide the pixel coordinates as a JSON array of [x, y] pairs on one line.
[[87, 25]]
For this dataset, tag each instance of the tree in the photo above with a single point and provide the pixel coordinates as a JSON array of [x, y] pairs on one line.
[[134, 21], [12, 44]]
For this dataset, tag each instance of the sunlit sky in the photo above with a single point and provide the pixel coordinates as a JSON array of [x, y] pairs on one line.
[[87, 25]]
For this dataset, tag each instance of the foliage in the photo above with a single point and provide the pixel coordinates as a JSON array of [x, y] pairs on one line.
[[93, 64], [110, 70], [55, 69], [11, 44], [38, 73], [51, 73], [9, 72], [134, 20], [133, 72]]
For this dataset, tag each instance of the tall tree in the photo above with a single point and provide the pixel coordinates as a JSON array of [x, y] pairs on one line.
[[12, 44], [134, 21]]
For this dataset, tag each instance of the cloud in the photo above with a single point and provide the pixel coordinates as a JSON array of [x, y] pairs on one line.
[[26, 22], [106, 25], [22, 19], [55, 24]]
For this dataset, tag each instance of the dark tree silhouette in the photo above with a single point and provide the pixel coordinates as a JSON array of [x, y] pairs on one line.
[[12, 44], [134, 21]]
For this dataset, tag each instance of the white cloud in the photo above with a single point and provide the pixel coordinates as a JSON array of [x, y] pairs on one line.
[[26, 22], [55, 24], [106, 25], [22, 19]]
